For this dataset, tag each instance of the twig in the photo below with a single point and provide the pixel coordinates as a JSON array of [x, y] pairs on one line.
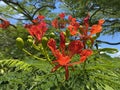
[[99, 41]]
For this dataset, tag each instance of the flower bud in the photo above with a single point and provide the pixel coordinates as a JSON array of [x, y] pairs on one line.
[[30, 42], [44, 41], [52, 35], [19, 42], [30, 37]]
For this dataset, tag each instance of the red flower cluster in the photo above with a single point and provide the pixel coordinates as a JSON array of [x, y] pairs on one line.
[[4, 24], [86, 34], [64, 55], [38, 29], [56, 23], [74, 25]]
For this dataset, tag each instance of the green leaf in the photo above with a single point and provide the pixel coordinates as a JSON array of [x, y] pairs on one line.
[[109, 50]]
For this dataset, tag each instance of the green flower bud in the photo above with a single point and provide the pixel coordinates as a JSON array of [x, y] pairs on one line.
[[30, 37], [44, 41], [52, 35], [30, 42], [19, 42]]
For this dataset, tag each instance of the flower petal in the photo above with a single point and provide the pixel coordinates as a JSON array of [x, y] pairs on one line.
[[66, 72], [62, 42], [101, 21], [95, 29], [55, 68], [83, 59], [62, 15], [52, 45], [55, 23], [75, 47], [86, 52]]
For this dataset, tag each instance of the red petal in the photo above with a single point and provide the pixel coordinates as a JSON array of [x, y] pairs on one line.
[[83, 59], [62, 15], [55, 68], [66, 72], [62, 42], [86, 19], [96, 29], [70, 17], [55, 23], [101, 21], [52, 44], [86, 52], [75, 47], [41, 17], [73, 30]]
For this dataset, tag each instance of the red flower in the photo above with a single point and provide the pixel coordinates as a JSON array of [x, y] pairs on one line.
[[38, 19], [86, 34], [63, 58], [55, 23], [70, 18], [84, 54], [58, 24], [4, 24], [74, 26], [62, 15], [38, 30], [35, 21], [97, 27], [41, 17]]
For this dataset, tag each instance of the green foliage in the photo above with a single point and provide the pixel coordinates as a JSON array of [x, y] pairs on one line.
[[109, 50], [8, 46], [101, 72]]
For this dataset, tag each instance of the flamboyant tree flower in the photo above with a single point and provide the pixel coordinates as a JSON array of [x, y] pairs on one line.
[[41, 17], [62, 15], [4, 24], [64, 55], [38, 29], [73, 26], [59, 23], [55, 23], [86, 34], [38, 19], [97, 27]]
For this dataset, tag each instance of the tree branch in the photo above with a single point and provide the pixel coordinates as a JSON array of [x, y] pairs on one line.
[[94, 13], [41, 8], [23, 10], [99, 41]]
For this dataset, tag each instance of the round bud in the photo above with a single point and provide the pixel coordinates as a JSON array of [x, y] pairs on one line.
[[30, 37], [30, 42], [44, 41], [19, 42], [52, 35]]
